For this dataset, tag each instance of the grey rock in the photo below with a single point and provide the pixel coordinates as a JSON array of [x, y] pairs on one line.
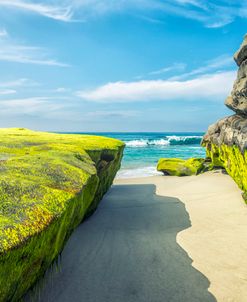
[[230, 131], [237, 101], [241, 54]]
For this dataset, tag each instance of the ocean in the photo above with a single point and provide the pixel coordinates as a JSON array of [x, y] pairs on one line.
[[143, 150]]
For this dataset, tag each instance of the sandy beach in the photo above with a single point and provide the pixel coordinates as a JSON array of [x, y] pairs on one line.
[[158, 239], [216, 241]]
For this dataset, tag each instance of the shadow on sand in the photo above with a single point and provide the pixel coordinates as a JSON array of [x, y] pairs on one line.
[[127, 252]]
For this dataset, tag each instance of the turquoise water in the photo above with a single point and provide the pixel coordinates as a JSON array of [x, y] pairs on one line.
[[143, 150]]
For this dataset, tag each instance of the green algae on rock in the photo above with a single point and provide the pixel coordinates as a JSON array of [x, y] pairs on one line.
[[181, 167], [225, 143], [226, 140], [232, 160], [48, 184]]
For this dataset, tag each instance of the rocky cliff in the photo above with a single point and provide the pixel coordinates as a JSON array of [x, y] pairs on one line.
[[226, 140], [48, 184]]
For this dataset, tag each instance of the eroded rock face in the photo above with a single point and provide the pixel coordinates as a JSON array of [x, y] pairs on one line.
[[230, 131], [238, 99], [241, 54], [226, 140], [226, 146]]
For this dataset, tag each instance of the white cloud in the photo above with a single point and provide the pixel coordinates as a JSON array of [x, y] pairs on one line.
[[210, 86], [62, 90], [26, 54], [191, 2], [3, 33], [7, 91], [57, 12], [18, 83], [174, 67], [212, 13], [19, 106], [13, 52], [220, 23], [9, 87], [149, 19], [223, 61], [212, 65]]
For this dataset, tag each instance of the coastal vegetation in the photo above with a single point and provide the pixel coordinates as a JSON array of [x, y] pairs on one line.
[[49, 183]]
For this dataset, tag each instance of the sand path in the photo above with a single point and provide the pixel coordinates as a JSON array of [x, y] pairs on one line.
[[186, 244], [217, 238]]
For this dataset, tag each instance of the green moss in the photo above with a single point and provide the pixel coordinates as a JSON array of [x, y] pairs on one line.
[[230, 158], [48, 184], [233, 160], [180, 167]]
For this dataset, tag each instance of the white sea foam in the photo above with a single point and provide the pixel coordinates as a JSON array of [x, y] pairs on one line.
[[138, 172], [137, 143], [160, 142], [183, 138], [168, 140]]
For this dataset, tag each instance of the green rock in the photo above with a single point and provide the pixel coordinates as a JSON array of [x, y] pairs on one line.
[[180, 167], [49, 183], [233, 160], [226, 145]]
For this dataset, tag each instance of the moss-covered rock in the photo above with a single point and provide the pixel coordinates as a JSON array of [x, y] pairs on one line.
[[226, 140], [181, 167], [48, 184], [226, 145], [233, 160]]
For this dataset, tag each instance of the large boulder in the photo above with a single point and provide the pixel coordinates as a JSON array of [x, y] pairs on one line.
[[181, 167], [49, 183], [226, 140], [230, 131]]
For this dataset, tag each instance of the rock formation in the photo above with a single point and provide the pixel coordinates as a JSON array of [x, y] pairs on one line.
[[48, 184], [181, 167], [226, 140], [238, 99]]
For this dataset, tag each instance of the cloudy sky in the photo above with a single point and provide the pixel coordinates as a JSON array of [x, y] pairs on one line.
[[117, 65]]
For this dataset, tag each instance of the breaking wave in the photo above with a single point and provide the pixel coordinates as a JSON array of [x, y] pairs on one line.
[[138, 172], [166, 141]]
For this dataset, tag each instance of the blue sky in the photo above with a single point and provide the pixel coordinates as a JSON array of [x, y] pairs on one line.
[[104, 65]]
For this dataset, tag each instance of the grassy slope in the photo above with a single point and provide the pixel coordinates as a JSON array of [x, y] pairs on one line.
[[48, 183]]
